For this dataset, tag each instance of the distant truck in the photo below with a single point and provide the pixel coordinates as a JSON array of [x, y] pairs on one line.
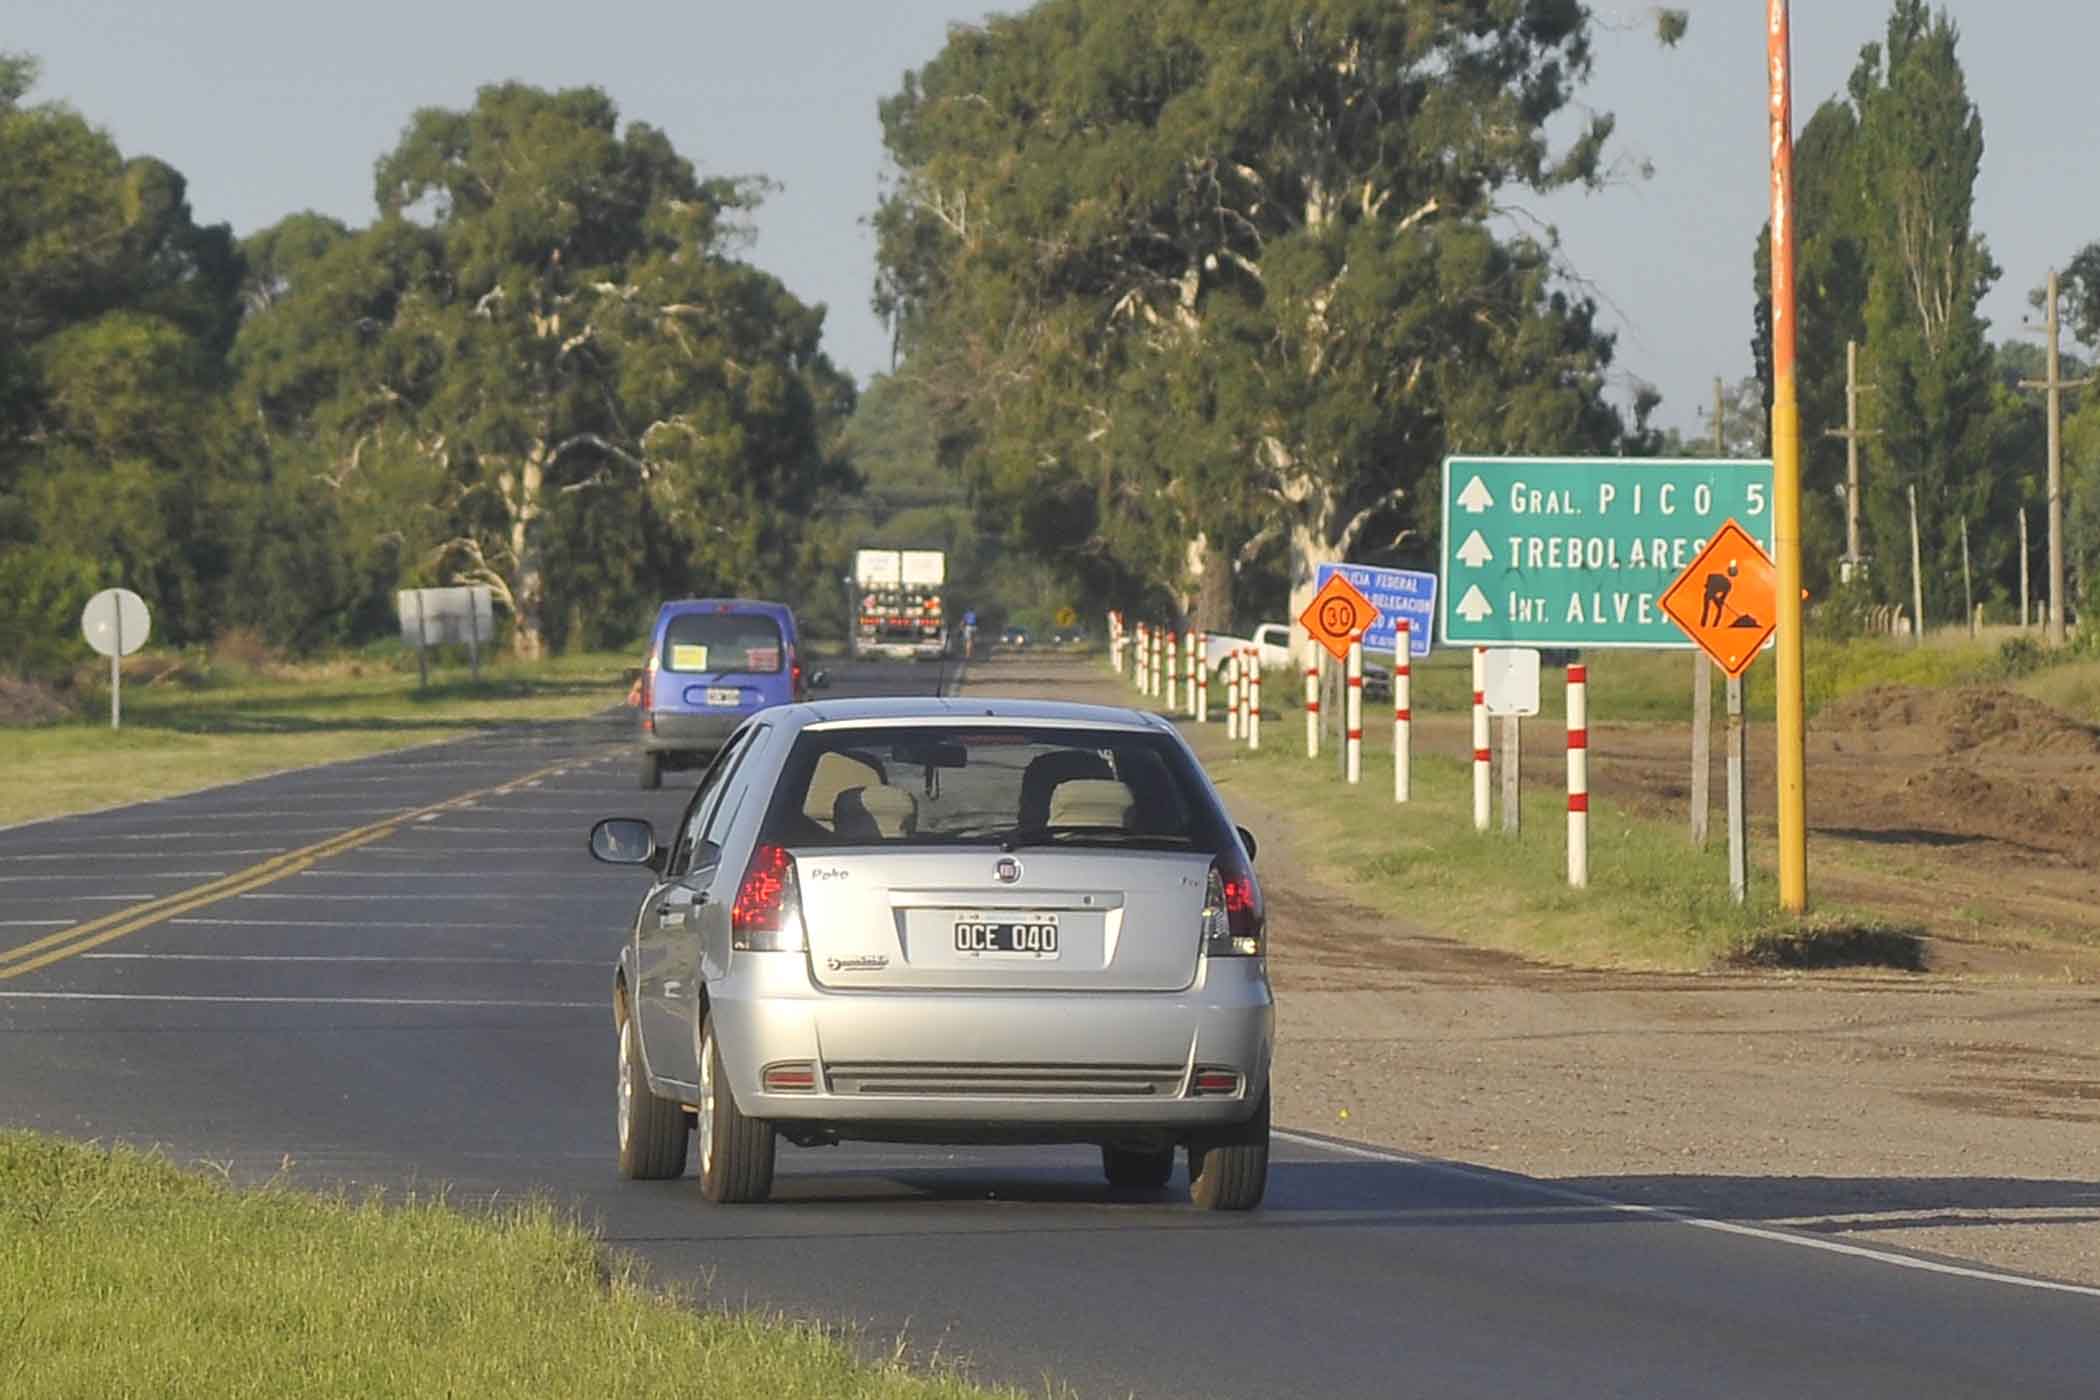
[[900, 613]]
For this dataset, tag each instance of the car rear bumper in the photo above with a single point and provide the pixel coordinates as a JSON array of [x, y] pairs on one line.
[[976, 1061], [676, 731]]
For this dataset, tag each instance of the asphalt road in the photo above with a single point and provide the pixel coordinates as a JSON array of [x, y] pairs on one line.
[[396, 972]]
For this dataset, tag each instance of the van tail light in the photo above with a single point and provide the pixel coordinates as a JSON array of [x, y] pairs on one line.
[[1215, 1081], [767, 914], [1232, 912], [647, 702]]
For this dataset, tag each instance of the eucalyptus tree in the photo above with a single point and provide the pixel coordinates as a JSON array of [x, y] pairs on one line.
[[1203, 276], [549, 367]]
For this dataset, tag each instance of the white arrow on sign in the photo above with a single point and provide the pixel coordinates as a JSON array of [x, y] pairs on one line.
[[1474, 606], [1475, 552], [1475, 497]]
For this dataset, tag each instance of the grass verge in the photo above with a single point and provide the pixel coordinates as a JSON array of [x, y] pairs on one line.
[[122, 1275], [176, 739], [1653, 902]]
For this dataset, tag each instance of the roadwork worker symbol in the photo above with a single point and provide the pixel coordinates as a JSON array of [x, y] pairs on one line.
[[1725, 600]]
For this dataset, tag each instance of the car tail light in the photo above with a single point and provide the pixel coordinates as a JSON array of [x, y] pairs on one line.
[[796, 1077], [1214, 1081], [767, 914], [648, 699], [1232, 912]]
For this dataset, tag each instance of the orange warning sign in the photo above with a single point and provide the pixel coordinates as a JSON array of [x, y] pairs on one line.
[[1337, 612], [1727, 599]]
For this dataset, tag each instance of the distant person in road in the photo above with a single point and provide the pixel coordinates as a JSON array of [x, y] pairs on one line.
[[969, 635]]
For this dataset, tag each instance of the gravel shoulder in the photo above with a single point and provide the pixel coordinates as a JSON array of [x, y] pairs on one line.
[[1953, 1112]]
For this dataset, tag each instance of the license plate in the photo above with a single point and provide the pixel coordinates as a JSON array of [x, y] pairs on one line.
[[724, 695], [1032, 937]]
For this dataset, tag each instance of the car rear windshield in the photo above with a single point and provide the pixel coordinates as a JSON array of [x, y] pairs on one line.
[[993, 786], [722, 641]]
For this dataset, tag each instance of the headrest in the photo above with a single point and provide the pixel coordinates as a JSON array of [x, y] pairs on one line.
[[834, 773], [1096, 802], [874, 814]]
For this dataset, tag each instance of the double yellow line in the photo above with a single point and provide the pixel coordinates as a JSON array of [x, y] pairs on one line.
[[67, 942]]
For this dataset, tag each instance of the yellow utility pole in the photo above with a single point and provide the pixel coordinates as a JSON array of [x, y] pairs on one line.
[[1786, 473]]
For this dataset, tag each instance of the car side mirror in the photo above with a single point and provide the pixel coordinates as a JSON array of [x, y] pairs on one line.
[[627, 841], [820, 680], [1247, 840]]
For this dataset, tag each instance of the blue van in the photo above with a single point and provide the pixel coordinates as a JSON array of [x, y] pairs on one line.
[[711, 663]]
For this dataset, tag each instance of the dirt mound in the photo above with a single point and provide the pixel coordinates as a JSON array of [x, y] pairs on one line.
[[1969, 719], [2016, 807], [30, 702]]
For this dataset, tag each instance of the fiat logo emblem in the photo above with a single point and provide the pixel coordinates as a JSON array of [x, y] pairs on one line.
[[1007, 870]]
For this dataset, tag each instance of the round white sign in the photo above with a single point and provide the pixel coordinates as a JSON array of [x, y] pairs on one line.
[[115, 622]]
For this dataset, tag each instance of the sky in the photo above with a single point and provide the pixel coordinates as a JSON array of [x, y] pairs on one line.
[[274, 108]]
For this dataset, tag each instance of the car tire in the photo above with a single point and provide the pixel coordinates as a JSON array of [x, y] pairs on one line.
[[1136, 1169], [652, 773], [651, 1130], [736, 1153], [1229, 1167]]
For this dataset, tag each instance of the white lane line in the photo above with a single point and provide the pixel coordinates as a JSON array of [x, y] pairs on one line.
[[157, 874], [134, 861], [582, 872], [341, 923], [335, 958], [1677, 1217], [272, 830], [110, 898], [481, 896], [36, 923], [300, 1001]]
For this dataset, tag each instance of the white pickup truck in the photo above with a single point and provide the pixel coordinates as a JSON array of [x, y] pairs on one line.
[[1273, 640]]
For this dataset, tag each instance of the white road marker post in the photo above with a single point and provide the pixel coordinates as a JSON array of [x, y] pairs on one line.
[[1192, 667], [1115, 644], [1353, 709], [1579, 776], [1137, 657], [1403, 716], [1232, 694], [1173, 660], [1312, 699], [1483, 756], [1202, 678], [1253, 699]]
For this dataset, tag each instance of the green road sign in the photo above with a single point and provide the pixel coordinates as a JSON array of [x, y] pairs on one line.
[[1544, 552]]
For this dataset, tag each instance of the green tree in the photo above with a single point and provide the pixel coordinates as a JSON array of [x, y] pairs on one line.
[[1920, 146], [1193, 281], [543, 370]]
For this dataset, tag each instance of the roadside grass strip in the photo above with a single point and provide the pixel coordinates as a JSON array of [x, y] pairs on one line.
[[1653, 902], [67, 942], [177, 740], [122, 1275]]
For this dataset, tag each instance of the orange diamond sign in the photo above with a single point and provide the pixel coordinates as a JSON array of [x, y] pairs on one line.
[[1727, 599], [1336, 613]]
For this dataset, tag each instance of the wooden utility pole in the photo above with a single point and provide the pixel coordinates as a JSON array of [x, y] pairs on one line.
[[1851, 433], [2025, 615], [1917, 576], [2054, 387]]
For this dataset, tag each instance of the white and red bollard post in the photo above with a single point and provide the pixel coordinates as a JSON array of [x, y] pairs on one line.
[[1188, 673], [1115, 645], [1312, 699], [1578, 777], [1173, 659], [1353, 710], [1232, 693], [1202, 679], [1138, 655], [1403, 716], [1253, 698], [1483, 756]]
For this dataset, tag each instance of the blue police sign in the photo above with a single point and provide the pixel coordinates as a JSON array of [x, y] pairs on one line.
[[1396, 593]]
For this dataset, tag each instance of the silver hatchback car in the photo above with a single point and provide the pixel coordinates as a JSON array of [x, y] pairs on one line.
[[947, 921]]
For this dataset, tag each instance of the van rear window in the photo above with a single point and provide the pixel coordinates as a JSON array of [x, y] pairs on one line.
[[722, 642], [994, 786]]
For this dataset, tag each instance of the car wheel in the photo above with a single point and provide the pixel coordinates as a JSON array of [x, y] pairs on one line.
[[1139, 1170], [652, 1130], [652, 771], [736, 1153], [1229, 1167]]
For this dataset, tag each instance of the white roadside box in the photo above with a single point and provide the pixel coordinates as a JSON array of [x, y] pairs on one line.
[[1511, 681]]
